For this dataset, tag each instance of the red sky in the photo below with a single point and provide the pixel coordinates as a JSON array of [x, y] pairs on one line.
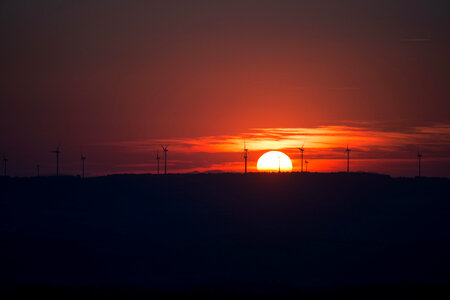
[[115, 78]]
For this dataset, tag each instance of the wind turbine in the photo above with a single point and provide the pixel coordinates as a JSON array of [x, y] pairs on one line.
[[301, 151], [165, 157], [306, 164], [38, 167], [57, 151], [279, 164], [157, 159], [419, 156], [5, 161], [83, 158], [348, 158], [245, 154]]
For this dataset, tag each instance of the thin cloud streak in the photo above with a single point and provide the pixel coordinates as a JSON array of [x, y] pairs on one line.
[[371, 145]]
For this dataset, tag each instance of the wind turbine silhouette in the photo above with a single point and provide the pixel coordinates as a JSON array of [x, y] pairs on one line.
[[5, 161], [245, 154], [157, 160], [165, 158], [57, 151], [83, 158], [306, 164], [348, 158], [38, 169], [301, 151], [279, 164], [419, 156]]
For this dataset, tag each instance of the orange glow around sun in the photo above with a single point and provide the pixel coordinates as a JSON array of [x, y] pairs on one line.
[[274, 161], [374, 149]]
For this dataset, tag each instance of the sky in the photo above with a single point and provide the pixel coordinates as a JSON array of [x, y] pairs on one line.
[[114, 79]]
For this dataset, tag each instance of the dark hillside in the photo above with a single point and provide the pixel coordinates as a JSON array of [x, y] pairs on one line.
[[260, 232]]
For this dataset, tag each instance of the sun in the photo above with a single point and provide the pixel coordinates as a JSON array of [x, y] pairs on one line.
[[274, 161]]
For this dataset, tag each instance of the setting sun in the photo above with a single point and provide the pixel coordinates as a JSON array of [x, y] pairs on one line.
[[274, 161]]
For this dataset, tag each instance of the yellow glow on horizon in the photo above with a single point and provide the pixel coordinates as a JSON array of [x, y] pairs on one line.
[[274, 161]]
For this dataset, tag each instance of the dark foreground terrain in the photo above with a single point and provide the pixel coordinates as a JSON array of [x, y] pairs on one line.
[[225, 235]]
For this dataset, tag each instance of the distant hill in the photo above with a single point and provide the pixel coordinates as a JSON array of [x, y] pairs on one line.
[[207, 172]]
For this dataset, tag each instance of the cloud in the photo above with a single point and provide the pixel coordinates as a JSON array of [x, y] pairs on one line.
[[370, 143], [415, 40]]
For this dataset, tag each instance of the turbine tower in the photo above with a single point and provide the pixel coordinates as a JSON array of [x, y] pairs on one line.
[[419, 156], [57, 151], [301, 151], [38, 167], [348, 158], [157, 160], [245, 158], [306, 164], [165, 158], [5, 161], [83, 158]]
